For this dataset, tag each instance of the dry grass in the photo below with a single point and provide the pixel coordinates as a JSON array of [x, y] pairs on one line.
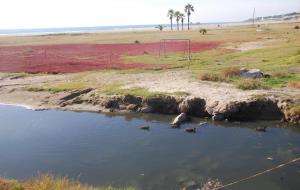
[[294, 84], [231, 72], [295, 110], [250, 84], [48, 182], [223, 76], [211, 77]]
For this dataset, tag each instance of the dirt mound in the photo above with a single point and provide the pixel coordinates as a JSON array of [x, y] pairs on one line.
[[70, 58]]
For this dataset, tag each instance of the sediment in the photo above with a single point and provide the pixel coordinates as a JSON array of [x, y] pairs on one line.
[[254, 108]]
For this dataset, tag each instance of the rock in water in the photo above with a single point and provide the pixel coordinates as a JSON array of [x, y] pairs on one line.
[[191, 130], [179, 119], [261, 129], [145, 127]]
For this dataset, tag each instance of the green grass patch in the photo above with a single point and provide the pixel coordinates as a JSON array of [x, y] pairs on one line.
[[170, 59], [280, 81], [61, 87], [116, 89]]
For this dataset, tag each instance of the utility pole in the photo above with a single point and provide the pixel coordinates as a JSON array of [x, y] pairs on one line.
[[253, 19]]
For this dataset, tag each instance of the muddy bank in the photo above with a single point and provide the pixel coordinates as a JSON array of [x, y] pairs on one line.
[[253, 108], [222, 102]]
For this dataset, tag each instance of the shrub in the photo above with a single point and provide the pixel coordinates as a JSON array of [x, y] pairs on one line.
[[250, 84], [48, 182], [137, 42], [297, 27], [295, 110], [203, 31], [231, 72], [294, 84], [210, 77], [160, 27]]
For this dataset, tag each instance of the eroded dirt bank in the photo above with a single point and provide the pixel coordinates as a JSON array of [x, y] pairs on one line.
[[253, 108], [201, 99]]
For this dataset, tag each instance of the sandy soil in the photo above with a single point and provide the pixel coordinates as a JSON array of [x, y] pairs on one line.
[[14, 90]]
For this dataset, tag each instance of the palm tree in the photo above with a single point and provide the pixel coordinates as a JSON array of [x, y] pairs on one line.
[[182, 17], [177, 16], [171, 15], [189, 9]]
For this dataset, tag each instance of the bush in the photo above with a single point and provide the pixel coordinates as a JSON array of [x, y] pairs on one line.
[[295, 110], [294, 84], [160, 27], [250, 84], [137, 42], [203, 31], [48, 182], [231, 72], [210, 77], [297, 27]]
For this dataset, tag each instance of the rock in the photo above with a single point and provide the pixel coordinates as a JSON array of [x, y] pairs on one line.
[[162, 104], [179, 119], [146, 109], [110, 103], [261, 129], [218, 117], [122, 107], [129, 99], [252, 73], [191, 130], [193, 106], [203, 124], [253, 109], [75, 94], [132, 107], [145, 127]]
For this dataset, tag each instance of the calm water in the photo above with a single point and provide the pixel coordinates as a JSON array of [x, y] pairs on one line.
[[111, 150]]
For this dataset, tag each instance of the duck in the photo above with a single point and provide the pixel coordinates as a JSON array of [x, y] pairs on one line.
[[261, 129], [191, 130], [145, 127]]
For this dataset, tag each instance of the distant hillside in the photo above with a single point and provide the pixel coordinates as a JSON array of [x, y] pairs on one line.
[[283, 17]]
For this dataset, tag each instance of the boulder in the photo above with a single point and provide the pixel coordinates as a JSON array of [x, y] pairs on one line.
[[145, 109], [193, 106], [179, 119], [132, 107], [252, 73], [162, 104], [75, 94], [129, 99], [110, 103]]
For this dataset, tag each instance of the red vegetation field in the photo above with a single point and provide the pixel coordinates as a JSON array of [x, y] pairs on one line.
[[69, 58]]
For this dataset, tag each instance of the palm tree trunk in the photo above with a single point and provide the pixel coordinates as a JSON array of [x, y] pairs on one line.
[[182, 25], [178, 25], [171, 24], [188, 22]]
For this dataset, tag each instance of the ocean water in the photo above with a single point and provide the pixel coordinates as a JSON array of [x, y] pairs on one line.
[[38, 31], [43, 31]]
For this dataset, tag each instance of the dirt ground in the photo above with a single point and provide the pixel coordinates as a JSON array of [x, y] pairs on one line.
[[13, 90], [271, 49]]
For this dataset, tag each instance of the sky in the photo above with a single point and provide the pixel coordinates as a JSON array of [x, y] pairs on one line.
[[76, 13]]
